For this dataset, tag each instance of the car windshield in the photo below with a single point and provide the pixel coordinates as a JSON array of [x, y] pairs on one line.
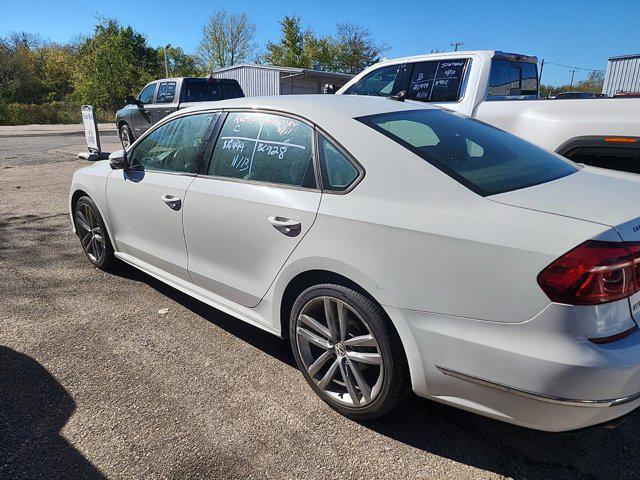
[[483, 158], [205, 90]]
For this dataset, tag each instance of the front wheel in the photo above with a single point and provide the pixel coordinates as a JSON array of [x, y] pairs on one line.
[[348, 352], [125, 135], [93, 234]]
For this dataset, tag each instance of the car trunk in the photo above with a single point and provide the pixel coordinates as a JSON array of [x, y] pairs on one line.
[[592, 194]]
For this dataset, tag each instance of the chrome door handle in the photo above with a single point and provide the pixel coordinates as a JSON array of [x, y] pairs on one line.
[[287, 226], [174, 203]]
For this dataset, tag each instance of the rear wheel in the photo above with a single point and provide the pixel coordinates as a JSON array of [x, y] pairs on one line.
[[93, 234], [348, 352]]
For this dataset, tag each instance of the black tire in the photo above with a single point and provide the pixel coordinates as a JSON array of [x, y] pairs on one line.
[[126, 135], [395, 384], [90, 228]]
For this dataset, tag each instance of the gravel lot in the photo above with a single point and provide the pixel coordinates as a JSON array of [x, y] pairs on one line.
[[95, 383]]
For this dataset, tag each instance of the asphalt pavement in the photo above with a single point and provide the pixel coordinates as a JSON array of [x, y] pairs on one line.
[[95, 382]]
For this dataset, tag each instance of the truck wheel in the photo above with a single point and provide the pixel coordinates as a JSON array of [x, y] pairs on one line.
[[125, 135]]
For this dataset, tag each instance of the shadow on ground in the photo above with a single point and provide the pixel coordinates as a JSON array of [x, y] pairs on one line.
[[460, 436], [33, 409]]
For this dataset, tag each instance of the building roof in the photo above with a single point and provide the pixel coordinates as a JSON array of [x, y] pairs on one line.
[[292, 70], [621, 57]]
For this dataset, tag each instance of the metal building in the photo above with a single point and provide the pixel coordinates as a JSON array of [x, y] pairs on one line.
[[623, 75], [257, 80]]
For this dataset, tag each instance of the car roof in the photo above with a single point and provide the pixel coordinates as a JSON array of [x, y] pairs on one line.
[[317, 107]]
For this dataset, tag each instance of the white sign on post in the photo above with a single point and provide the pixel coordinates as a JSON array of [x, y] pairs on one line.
[[90, 128]]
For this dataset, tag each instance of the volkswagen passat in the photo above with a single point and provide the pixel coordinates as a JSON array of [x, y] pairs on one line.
[[397, 246]]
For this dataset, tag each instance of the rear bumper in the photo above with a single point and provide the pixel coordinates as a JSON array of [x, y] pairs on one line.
[[539, 374]]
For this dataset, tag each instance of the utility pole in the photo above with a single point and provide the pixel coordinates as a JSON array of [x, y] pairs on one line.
[[166, 63], [572, 74], [455, 45]]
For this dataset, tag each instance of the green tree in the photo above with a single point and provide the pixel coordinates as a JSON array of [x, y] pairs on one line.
[[350, 51], [356, 49], [593, 83], [227, 39], [114, 62], [181, 64], [290, 50]]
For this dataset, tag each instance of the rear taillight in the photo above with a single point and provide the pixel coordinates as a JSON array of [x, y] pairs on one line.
[[593, 273]]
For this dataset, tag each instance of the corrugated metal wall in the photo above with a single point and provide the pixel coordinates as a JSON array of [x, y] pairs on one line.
[[254, 81], [623, 74]]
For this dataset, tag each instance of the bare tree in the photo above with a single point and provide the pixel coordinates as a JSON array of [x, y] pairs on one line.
[[227, 39]]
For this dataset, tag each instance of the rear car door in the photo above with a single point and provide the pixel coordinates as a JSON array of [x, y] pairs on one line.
[[145, 202], [141, 117], [256, 201], [166, 101]]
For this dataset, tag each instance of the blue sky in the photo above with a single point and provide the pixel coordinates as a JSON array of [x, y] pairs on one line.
[[576, 33]]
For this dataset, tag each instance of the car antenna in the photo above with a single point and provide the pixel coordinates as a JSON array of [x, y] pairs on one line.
[[398, 97]]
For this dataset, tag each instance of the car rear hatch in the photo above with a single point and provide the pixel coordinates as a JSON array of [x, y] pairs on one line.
[[595, 195]]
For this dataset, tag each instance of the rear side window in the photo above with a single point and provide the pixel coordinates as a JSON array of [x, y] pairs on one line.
[[166, 92], [338, 173], [264, 147], [378, 83], [206, 90], [483, 158], [512, 78], [437, 81]]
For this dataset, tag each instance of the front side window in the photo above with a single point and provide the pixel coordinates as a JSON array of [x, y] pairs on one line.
[[338, 173], [264, 147], [512, 78], [483, 158], [174, 146], [437, 81], [166, 92], [378, 83], [146, 95]]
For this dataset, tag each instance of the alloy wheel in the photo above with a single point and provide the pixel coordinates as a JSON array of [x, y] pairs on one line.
[[90, 233], [124, 136], [339, 352]]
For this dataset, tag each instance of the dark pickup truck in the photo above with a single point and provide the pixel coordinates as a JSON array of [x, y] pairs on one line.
[[162, 97]]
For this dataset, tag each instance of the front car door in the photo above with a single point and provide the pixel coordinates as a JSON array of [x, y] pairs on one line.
[[258, 199], [145, 202], [141, 117]]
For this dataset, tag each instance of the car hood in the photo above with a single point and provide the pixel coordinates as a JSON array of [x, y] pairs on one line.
[[593, 194]]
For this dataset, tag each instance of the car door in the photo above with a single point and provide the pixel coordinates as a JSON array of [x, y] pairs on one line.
[[145, 202], [166, 101], [257, 200], [141, 117]]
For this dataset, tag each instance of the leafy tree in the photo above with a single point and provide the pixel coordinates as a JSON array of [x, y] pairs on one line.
[[350, 51], [356, 48], [181, 64], [290, 50], [227, 39], [116, 61]]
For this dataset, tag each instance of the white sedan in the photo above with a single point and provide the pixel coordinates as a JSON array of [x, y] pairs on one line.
[[399, 247]]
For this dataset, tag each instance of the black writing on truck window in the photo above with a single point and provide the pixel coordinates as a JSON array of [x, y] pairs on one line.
[[437, 81]]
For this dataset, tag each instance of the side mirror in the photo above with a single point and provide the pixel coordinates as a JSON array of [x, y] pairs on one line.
[[131, 100], [118, 160]]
